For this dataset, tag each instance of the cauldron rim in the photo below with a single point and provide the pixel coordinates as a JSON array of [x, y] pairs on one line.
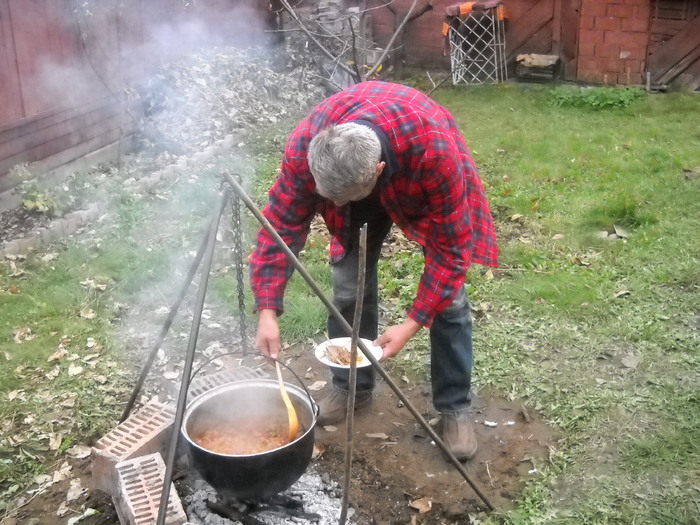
[[192, 406]]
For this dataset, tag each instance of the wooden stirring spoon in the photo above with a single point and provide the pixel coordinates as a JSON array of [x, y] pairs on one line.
[[291, 412]]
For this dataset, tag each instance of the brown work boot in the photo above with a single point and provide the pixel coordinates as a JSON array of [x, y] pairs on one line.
[[334, 407], [459, 436]]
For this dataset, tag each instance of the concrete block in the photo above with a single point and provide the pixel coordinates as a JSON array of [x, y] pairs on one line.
[[140, 486], [146, 431]]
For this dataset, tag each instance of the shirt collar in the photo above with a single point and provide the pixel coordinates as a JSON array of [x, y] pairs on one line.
[[388, 155]]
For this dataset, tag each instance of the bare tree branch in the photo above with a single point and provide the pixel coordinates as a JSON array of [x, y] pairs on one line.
[[391, 42], [296, 18]]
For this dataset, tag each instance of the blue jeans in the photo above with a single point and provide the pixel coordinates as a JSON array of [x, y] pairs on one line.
[[450, 333]]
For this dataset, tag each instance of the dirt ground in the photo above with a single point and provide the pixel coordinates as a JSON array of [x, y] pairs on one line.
[[398, 475], [395, 463]]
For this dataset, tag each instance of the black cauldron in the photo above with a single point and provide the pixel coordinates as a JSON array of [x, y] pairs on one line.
[[252, 476]]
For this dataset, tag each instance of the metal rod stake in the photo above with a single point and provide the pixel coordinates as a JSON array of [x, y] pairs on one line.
[[349, 418], [189, 358]]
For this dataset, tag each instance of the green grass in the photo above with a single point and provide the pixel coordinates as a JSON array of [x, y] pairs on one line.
[[600, 336], [597, 334]]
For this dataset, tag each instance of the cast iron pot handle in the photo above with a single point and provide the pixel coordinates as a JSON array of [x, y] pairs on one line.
[[311, 399]]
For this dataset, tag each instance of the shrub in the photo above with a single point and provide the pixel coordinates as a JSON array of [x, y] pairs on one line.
[[596, 97]]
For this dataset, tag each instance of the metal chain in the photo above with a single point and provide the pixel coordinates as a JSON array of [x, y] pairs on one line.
[[238, 261]]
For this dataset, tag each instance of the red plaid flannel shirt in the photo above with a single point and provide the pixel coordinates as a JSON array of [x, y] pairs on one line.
[[436, 196]]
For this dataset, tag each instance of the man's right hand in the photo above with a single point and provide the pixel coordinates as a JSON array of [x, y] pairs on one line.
[[267, 340]]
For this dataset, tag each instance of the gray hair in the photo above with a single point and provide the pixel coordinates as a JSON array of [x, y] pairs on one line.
[[342, 157]]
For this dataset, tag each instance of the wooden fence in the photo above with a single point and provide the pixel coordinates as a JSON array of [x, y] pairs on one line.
[[64, 66]]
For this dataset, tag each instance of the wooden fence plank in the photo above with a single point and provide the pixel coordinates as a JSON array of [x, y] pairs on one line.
[[668, 54], [43, 135], [11, 106], [522, 29], [30, 125], [81, 134]]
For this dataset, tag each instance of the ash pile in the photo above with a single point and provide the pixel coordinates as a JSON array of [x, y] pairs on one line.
[[313, 499]]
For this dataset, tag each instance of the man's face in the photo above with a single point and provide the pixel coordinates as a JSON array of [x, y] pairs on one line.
[[356, 193]]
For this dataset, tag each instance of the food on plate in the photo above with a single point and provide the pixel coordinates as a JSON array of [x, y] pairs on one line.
[[341, 355], [243, 438]]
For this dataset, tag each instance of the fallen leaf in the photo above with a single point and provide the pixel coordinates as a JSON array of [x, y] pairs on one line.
[[62, 473], [75, 490], [42, 479], [14, 271], [86, 514], [74, 370], [516, 217], [55, 441], [62, 509], [317, 385], [557, 236], [631, 361], [620, 232], [70, 401], [92, 285], [87, 313], [377, 435], [16, 394], [79, 451], [318, 451], [58, 354], [23, 334], [581, 262], [621, 293], [423, 505]]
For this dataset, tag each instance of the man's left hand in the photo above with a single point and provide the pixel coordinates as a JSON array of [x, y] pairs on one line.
[[395, 337]]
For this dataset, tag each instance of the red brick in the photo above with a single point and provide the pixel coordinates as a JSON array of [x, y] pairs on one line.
[[607, 50], [590, 36], [625, 39], [632, 52], [610, 78], [140, 487], [593, 8], [620, 10], [635, 24], [590, 76], [144, 432], [634, 66], [586, 50], [586, 22], [630, 78], [643, 11], [588, 63], [607, 23]]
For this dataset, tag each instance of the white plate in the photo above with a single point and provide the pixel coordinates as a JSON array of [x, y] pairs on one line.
[[362, 360]]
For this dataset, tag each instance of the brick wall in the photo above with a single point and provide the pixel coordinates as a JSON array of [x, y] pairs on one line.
[[613, 39]]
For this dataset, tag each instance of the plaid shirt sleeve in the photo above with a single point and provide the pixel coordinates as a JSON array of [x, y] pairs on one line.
[[446, 233], [290, 209]]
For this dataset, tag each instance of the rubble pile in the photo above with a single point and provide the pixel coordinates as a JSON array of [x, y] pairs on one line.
[[189, 104]]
